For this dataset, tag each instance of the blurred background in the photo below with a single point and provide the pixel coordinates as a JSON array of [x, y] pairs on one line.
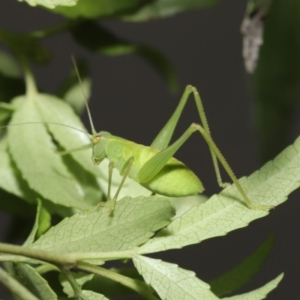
[[129, 99]]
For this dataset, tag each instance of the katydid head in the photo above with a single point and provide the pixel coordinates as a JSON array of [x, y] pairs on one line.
[[99, 141]]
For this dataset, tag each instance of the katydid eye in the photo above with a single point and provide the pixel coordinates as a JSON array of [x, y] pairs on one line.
[[96, 139]]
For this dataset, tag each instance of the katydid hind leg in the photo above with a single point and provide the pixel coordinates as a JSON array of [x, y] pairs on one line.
[[156, 163], [162, 140], [171, 150]]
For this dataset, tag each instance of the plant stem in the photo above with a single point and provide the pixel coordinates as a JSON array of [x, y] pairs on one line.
[[31, 89], [58, 258], [50, 257], [75, 286], [133, 284], [46, 268], [105, 256], [15, 287]]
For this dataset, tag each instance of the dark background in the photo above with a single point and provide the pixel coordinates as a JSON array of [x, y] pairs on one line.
[[130, 100]]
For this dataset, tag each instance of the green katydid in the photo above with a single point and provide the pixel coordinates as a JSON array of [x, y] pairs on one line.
[[154, 166]]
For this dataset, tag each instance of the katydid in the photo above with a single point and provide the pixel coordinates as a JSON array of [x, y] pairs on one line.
[[154, 166]]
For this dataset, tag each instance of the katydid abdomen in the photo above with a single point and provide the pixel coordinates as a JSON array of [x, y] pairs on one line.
[[175, 179]]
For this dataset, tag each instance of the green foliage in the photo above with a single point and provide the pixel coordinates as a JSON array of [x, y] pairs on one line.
[[75, 232], [51, 3], [11, 84], [259, 293], [132, 224], [166, 8], [99, 8], [35, 282], [181, 283], [42, 224]]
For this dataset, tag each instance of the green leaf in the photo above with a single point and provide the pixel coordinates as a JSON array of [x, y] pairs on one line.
[[99, 8], [11, 180], [11, 83], [269, 186], [41, 224], [33, 152], [54, 110], [35, 282], [170, 281], [44, 222], [51, 3], [80, 278], [8, 66], [259, 293], [88, 184], [133, 222], [90, 295], [97, 38], [166, 8], [18, 290], [183, 204], [5, 109], [71, 90], [277, 78], [243, 272]]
